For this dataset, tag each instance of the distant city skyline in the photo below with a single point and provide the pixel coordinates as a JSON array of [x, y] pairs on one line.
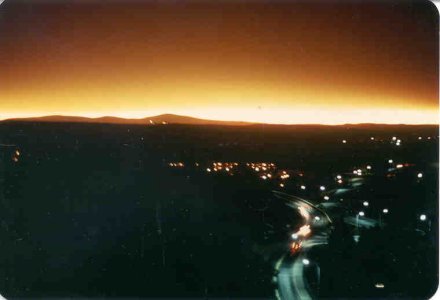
[[267, 62]]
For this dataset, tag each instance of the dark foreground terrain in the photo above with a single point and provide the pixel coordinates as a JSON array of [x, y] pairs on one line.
[[178, 210]]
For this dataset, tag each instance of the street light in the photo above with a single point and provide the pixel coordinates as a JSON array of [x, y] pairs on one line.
[[322, 188], [385, 211], [326, 197], [303, 187], [361, 213], [390, 161], [424, 218], [365, 203], [307, 262], [420, 175]]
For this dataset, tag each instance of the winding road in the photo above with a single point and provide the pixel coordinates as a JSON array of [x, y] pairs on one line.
[[291, 281]]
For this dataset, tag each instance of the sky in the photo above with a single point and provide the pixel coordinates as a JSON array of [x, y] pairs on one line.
[[259, 61]]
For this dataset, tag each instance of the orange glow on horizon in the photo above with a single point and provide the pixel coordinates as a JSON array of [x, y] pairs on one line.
[[228, 61], [329, 116]]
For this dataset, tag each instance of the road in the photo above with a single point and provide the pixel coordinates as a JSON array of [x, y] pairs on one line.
[[291, 281]]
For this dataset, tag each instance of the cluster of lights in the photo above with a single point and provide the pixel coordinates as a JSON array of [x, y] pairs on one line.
[[266, 176], [176, 164], [339, 179], [222, 167], [396, 141], [267, 171], [260, 167], [284, 175], [16, 155], [358, 172]]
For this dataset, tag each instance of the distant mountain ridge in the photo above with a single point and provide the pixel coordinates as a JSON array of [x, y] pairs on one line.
[[160, 119], [184, 120]]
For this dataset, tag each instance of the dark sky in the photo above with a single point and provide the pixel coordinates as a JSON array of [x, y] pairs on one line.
[[277, 61]]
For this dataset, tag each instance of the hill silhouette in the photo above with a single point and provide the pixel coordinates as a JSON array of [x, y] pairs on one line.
[[160, 119], [186, 120]]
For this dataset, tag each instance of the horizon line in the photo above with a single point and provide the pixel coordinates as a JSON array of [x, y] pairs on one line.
[[25, 118]]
